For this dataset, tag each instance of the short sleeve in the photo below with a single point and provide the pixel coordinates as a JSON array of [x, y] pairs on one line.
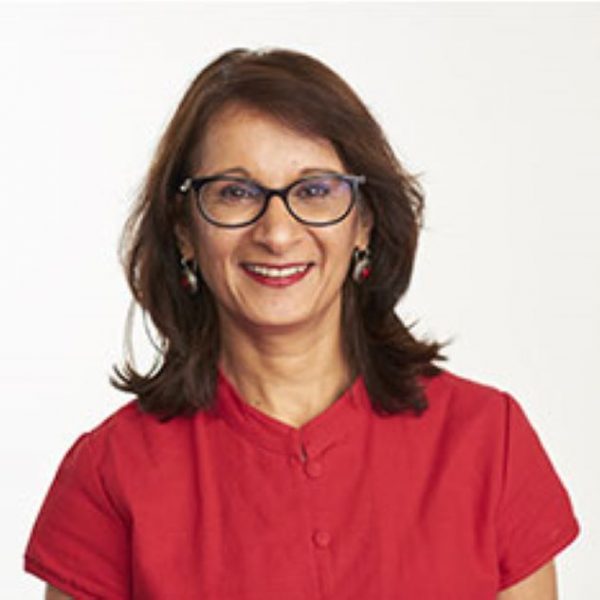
[[79, 542], [535, 518]]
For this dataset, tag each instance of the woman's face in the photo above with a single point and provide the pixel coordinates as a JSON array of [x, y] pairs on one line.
[[272, 155]]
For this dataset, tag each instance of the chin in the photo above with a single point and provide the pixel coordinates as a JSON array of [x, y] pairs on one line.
[[273, 322]]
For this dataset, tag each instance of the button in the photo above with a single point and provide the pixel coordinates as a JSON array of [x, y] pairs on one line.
[[322, 539], [314, 468]]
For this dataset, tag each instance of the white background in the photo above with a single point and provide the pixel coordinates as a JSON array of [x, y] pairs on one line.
[[498, 105]]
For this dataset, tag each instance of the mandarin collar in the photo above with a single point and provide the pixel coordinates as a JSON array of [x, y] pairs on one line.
[[334, 425]]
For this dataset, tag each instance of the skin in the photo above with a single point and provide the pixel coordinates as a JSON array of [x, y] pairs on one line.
[[541, 585], [53, 594], [282, 346]]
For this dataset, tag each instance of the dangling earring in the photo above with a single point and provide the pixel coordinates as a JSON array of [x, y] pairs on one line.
[[188, 279], [362, 264]]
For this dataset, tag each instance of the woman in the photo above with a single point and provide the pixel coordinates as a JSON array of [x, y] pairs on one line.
[[295, 441]]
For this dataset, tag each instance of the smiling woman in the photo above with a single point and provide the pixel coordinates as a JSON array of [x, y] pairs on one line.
[[295, 440], [274, 270]]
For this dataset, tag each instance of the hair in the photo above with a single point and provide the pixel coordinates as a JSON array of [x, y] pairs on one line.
[[306, 95]]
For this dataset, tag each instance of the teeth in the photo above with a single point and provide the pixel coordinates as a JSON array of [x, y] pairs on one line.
[[270, 272]]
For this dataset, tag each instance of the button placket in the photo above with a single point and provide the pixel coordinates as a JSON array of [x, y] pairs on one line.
[[303, 453], [309, 464], [313, 467]]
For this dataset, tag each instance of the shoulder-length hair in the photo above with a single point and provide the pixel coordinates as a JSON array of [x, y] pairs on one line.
[[308, 96]]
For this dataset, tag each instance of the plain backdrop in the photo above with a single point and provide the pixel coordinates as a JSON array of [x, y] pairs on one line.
[[496, 105]]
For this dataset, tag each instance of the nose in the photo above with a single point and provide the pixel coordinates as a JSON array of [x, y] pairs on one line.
[[277, 229]]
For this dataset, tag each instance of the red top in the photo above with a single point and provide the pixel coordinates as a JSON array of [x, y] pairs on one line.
[[235, 505]]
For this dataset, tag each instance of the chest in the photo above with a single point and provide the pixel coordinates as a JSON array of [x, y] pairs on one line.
[[384, 517]]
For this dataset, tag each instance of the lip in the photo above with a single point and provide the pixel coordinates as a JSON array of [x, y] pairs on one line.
[[278, 266], [278, 282]]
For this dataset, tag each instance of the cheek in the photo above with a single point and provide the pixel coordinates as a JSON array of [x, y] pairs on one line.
[[339, 255], [343, 243], [213, 251]]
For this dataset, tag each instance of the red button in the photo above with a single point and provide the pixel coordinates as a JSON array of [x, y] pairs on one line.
[[322, 539], [314, 468]]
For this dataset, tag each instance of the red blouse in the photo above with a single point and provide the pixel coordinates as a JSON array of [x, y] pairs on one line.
[[232, 504]]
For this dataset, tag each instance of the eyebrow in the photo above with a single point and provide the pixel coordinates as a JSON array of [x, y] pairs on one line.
[[302, 172]]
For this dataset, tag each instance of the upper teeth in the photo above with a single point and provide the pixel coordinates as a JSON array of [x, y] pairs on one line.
[[271, 272]]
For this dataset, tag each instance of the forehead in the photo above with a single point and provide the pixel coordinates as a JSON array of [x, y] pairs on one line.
[[246, 137]]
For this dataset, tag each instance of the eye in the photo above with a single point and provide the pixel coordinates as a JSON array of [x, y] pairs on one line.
[[232, 191], [314, 189]]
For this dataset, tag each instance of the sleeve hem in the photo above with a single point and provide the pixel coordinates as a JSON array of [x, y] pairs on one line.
[[65, 585], [541, 558]]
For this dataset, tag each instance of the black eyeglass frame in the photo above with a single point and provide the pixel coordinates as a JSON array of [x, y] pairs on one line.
[[196, 184]]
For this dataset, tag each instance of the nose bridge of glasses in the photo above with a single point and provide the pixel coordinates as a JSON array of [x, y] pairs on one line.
[[282, 193]]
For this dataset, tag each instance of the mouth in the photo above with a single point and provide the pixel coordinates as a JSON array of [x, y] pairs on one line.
[[277, 271], [277, 274]]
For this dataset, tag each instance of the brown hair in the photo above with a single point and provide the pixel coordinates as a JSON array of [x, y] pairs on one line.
[[308, 96]]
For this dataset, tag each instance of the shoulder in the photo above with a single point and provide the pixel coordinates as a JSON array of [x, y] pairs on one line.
[[465, 411], [127, 421], [130, 438], [128, 448], [451, 392]]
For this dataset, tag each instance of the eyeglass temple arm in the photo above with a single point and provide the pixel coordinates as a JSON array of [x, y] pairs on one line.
[[186, 185]]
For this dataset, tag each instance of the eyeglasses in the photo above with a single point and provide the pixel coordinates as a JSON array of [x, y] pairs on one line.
[[316, 200]]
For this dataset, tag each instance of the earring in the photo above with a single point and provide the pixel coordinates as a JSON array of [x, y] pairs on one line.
[[188, 279], [362, 264]]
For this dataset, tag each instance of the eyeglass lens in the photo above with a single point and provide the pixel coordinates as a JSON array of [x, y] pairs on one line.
[[317, 199]]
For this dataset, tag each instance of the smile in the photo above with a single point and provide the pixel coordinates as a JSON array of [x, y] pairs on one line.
[[277, 276], [276, 272]]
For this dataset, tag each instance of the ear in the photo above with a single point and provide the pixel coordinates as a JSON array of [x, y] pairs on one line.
[[365, 226], [186, 249]]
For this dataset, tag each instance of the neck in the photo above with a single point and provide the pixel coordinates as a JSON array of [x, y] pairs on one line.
[[290, 375]]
